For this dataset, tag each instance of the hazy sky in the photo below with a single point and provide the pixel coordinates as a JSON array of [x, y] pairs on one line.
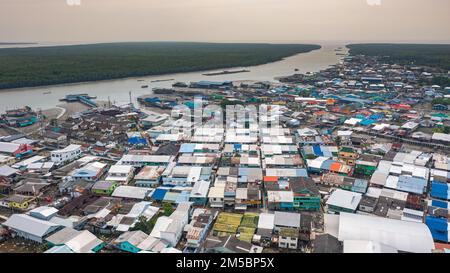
[[224, 20]]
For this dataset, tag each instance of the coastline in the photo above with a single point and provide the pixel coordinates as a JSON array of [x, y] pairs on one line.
[[117, 90], [111, 79], [138, 77]]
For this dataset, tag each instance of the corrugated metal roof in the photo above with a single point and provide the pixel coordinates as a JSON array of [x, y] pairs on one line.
[[30, 225]]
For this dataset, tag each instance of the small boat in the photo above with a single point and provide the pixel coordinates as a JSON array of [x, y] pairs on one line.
[[46, 93], [144, 86], [164, 80], [226, 72], [296, 69]]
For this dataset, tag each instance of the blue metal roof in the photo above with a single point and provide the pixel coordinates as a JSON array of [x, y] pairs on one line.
[[438, 227], [137, 140], [152, 100], [317, 150], [411, 184], [302, 173], [171, 196], [183, 197], [326, 165], [187, 148], [243, 171], [159, 194], [367, 122], [439, 203], [376, 116], [360, 186], [440, 190]]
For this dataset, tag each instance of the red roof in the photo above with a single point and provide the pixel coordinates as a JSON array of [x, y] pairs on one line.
[[442, 246], [401, 106], [270, 178], [335, 167]]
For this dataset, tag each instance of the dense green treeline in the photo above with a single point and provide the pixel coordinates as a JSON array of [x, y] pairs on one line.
[[435, 55], [36, 66]]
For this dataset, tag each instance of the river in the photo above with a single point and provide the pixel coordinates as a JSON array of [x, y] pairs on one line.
[[118, 90]]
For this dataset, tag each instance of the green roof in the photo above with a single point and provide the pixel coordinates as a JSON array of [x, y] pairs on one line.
[[250, 220], [347, 150]]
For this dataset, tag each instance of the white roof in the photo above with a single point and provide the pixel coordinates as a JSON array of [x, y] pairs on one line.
[[344, 133], [398, 195], [360, 246], [30, 225], [171, 250], [216, 192], [280, 196], [410, 125], [44, 211], [441, 137], [412, 215], [161, 225], [331, 224], [26, 162], [307, 132], [120, 169], [391, 182], [68, 149], [373, 192], [287, 219], [344, 199], [241, 193], [380, 127], [5, 158], [402, 235], [84, 242], [24, 140], [316, 163], [146, 158], [352, 121], [200, 189], [7, 171], [379, 178], [266, 220], [131, 192], [7, 147]]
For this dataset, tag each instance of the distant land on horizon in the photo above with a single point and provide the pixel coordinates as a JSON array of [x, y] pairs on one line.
[[434, 55], [18, 43], [40, 66]]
